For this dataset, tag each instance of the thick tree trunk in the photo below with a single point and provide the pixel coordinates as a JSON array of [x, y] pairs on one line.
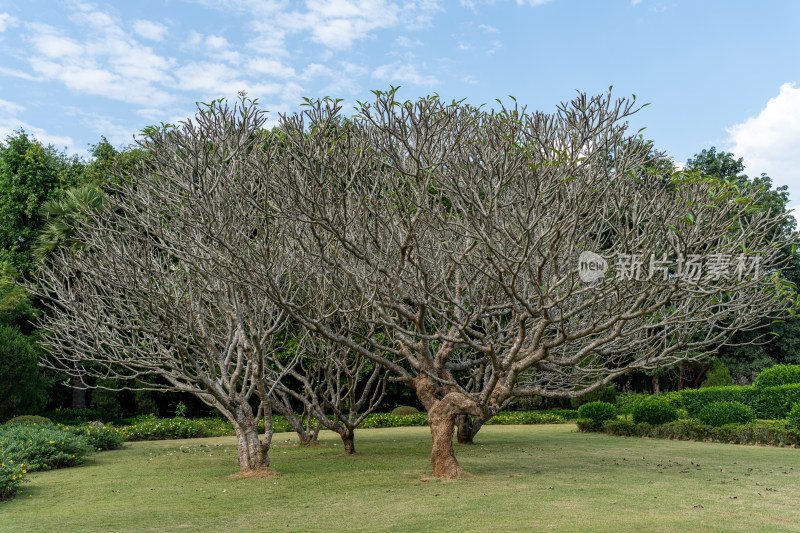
[[253, 455], [348, 437], [443, 457], [467, 427]]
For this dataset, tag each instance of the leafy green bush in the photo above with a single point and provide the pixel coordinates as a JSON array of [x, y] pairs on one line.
[[405, 410], [793, 418], [778, 375], [621, 428], [29, 419], [655, 412], [514, 418], [388, 420], [42, 447], [12, 474], [566, 414], [761, 432], [100, 438], [626, 402], [585, 425], [598, 412], [768, 403], [722, 413], [176, 428]]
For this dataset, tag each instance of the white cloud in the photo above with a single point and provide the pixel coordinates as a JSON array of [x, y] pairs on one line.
[[9, 125], [270, 67], [102, 125], [339, 23], [194, 39], [155, 31], [335, 24], [768, 142], [107, 63], [10, 108], [533, 3], [18, 74], [403, 73], [635, 3], [405, 42], [489, 29], [470, 79], [6, 21]]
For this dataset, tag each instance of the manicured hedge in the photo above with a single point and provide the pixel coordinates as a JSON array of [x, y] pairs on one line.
[[776, 433], [655, 411], [793, 418], [597, 412], [768, 403], [723, 413], [778, 375]]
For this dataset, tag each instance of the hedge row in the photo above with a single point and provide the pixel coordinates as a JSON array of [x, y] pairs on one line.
[[768, 403], [774, 433]]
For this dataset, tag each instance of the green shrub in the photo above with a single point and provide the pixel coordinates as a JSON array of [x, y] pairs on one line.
[[606, 394], [626, 402], [12, 474], [42, 446], [513, 418], [778, 375], [388, 420], [598, 412], [770, 433], [567, 414], [176, 428], [768, 403], [29, 419], [101, 438], [722, 413], [585, 425], [621, 428], [405, 410], [655, 412], [793, 418]]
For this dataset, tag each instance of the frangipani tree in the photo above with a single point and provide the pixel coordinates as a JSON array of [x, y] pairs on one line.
[[459, 233], [150, 287]]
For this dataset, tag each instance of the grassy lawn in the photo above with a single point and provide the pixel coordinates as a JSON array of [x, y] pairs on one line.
[[542, 477]]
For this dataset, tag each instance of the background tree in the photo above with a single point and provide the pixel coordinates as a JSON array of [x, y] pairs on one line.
[[332, 379], [458, 231], [30, 174], [774, 342], [152, 293]]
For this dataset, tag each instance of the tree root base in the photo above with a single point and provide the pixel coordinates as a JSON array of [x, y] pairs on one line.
[[261, 473]]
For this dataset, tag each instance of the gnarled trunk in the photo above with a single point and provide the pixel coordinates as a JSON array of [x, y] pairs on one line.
[[467, 427], [348, 436], [253, 454], [442, 419]]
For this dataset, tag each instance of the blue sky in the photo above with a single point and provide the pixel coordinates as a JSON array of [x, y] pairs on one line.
[[719, 73]]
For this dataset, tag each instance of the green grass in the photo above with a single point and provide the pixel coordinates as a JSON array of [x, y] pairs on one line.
[[543, 477]]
